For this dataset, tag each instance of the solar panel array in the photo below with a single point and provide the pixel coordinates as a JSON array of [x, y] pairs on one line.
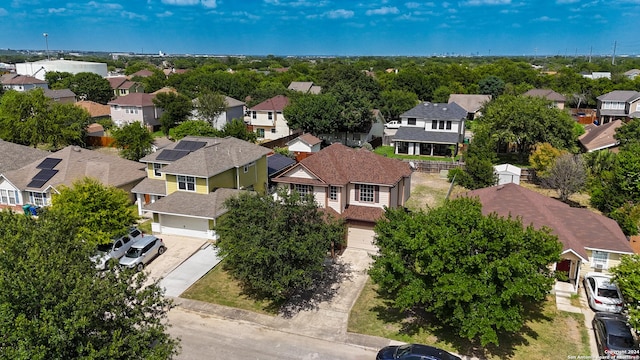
[[48, 163], [172, 154], [42, 177], [189, 145]]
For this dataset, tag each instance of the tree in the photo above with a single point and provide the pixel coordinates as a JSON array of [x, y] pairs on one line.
[[396, 102], [355, 107], [628, 133], [24, 117], [194, 128], [491, 85], [68, 126], [58, 80], [316, 114], [176, 108], [133, 140], [210, 106], [283, 246], [53, 305], [238, 129], [567, 175], [479, 158], [100, 213], [627, 276], [543, 157], [92, 87], [477, 274]]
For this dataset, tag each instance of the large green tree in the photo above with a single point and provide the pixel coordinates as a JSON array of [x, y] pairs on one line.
[[316, 114], [396, 102], [238, 129], [176, 108], [282, 245], [53, 304], [194, 128], [210, 106], [477, 274], [134, 140], [98, 212], [92, 87], [627, 277], [479, 158]]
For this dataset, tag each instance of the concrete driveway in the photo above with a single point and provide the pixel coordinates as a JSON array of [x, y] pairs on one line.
[[179, 249]]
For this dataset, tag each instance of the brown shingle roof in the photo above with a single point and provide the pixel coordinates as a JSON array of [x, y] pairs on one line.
[[546, 94], [307, 139], [134, 99], [115, 82], [576, 228], [21, 80], [95, 109], [470, 102], [207, 206], [142, 73], [600, 137], [363, 213], [276, 103], [338, 164]]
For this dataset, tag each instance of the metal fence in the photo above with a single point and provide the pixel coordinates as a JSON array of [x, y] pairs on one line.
[[434, 167]]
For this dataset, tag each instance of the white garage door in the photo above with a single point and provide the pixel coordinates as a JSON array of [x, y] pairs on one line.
[[184, 226], [361, 237]]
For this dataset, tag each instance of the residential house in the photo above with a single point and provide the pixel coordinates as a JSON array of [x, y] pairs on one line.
[[507, 173], [187, 182], [234, 110], [558, 100], [371, 131], [431, 129], [35, 181], [354, 184], [590, 241], [62, 96], [276, 165], [600, 137], [304, 145], [121, 86], [15, 156], [305, 87], [266, 119], [22, 82], [618, 104], [632, 74], [141, 73], [96, 110], [473, 103], [135, 107]]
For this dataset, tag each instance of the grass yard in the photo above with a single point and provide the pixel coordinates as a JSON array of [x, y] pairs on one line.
[[389, 151], [218, 287], [548, 334]]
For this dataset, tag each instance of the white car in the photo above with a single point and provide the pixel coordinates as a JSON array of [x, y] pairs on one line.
[[115, 249], [603, 295], [392, 124]]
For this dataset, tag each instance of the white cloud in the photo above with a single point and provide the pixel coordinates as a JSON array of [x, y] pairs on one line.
[[296, 3], [108, 6], [3, 12], [245, 15], [545, 19], [165, 14], [412, 5], [560, 2], [383, 11], [485, 2], [339, 14], [57, 10], [132, 16], [181, 2], [209, 3]]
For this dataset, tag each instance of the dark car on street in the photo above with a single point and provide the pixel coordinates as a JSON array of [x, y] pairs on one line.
[[613, 337], [414, 352]]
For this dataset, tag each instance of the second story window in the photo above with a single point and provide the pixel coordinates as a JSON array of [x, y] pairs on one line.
[[187, 183], [411, 121], [253, 115], [448, 125], [270, 115], [156, 169], [441, 127], [367, 193], [434, 124], [333, 193]]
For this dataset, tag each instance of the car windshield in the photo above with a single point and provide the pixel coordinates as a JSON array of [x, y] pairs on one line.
[[105, 247], [133, 253], [402, 350], [621, 342], [608, 293]]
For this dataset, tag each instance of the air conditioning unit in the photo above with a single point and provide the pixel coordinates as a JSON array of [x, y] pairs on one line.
[[598, 266]]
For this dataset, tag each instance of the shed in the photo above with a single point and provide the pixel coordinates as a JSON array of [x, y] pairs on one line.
[[507, 173]]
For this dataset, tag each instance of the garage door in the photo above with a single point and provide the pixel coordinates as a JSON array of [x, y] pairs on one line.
[[184, 226], [361, 237]]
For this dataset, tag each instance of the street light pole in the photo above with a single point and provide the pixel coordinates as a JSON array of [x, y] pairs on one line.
[[46, 40]]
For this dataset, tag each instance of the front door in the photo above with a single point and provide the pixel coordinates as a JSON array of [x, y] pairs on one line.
[[564, 266]]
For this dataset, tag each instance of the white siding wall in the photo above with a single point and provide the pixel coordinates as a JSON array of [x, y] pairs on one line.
[[302, 174], [299, 146]]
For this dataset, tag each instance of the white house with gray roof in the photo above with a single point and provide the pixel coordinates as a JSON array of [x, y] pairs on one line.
[[431, 129], [618, 104], [234, 109]]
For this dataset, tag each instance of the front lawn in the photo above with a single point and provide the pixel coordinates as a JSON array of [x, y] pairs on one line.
[[547, 334]]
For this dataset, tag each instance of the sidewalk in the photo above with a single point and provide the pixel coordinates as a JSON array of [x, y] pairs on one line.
[[563, 292]]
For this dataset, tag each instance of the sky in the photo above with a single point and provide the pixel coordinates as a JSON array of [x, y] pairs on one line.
[[325, 27]]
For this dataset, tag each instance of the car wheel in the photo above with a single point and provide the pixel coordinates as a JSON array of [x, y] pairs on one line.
[[161, 250], [140, 267]]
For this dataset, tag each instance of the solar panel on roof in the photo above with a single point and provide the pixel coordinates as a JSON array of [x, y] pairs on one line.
[[171, 154], [36, 184], [189, 145], [48, 163], [45, 174]]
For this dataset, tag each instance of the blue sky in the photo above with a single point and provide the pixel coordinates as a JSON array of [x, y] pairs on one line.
[[325, 27]]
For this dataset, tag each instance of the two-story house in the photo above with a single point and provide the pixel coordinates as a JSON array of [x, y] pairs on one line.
[[188, 181], [234, 109], [135, 107], [431, 129], [121, 86], [557, 100], [266, 119], [354, 184], [22, 82], [618, 104]]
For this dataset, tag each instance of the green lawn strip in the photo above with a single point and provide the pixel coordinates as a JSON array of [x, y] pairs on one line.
[[218, 287], [389, 151], [548, 334]]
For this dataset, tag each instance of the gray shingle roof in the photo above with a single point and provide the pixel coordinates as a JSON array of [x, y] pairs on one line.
[[409, 133], [15, 156], [151, 186], [470, 102], [207, 206], [436, 111], [61, 93], [620, 95]]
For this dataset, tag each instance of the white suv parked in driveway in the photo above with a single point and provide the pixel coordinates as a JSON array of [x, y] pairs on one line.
[[116, 249], [142, 252]]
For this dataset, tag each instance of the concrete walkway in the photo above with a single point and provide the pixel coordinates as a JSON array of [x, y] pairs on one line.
[[563, 292]]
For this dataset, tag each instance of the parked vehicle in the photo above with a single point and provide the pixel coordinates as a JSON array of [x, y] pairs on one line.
[[603, 295], [414, 351], [142, 252], [116, 249], [393, 124], [614, 339]]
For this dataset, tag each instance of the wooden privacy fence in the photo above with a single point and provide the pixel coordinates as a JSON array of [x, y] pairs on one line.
[[100, 141]]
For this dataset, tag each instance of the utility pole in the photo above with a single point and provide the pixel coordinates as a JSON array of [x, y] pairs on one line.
[[613, 58], [590, 52], [46, 40]]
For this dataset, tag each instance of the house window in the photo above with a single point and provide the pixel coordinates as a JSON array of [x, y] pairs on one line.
[[303, 190], [441, 127], [246, 167], [8, 197], [187, 183], [253, 115], [599, 259], [367, 193], [448, 125], [411, 121], [333, 193], [260, 133], [4, 199], [38, 199], [270, 115], [273, 131], [122, 92], [156, 169], [434, 124]]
